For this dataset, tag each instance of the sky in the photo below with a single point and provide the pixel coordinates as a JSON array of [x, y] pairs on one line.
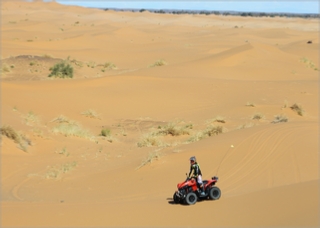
[[276, 6]]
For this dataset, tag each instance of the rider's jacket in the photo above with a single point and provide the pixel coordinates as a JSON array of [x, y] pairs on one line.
[[195, 170]]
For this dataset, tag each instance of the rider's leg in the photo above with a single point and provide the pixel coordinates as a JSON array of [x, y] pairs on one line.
[[199, 179]]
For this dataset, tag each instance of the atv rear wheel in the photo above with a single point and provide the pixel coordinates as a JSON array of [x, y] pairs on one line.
[[176, 199], [191, 198], [214, 193]]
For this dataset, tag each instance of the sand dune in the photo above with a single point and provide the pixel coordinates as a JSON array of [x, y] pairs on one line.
[[135, 74]]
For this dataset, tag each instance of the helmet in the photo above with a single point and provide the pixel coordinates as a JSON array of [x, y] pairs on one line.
[[193, 158]]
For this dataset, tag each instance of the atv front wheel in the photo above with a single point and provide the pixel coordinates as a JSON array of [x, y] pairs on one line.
[[191, 198], [176, 199], [214, 193]]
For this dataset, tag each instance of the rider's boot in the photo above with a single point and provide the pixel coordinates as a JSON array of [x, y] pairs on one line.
[[202, 193]]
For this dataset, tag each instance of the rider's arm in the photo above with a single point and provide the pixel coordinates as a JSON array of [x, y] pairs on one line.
[[191, 171]]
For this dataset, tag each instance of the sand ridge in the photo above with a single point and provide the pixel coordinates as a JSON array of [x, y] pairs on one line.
[[240, 75]]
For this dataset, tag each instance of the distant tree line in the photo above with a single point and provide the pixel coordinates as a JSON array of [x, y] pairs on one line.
[[224, 13]]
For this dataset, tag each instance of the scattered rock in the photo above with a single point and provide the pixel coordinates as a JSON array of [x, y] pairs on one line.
[[309, 42]]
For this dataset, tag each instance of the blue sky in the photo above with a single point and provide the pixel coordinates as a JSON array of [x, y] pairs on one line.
[[287, 6]]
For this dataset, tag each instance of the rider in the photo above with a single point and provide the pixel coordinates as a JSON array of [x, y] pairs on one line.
[[196, 173]]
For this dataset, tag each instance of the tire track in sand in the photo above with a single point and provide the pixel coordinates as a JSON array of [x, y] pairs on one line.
[[268, 136], [15, 190]]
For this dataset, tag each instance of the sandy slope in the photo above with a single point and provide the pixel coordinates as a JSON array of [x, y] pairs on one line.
[[215, 66]]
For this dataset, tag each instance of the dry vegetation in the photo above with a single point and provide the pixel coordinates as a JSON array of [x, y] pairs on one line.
[[47, 67], [159, 62], [63, 151], [56, 172], [63, 119], [208, 132], [250, 104], [258, 116], [298, 109], [72, 129], [171, 129], [5, 68], [20, 139], [91, 114], [280, 118], [309, 63], [108, 66], [218, 119], [150, 158], [106, 133], [31, 118], [149, 140], [174, 130]]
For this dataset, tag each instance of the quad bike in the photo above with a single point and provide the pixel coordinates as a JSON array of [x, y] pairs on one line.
[[189, 191]]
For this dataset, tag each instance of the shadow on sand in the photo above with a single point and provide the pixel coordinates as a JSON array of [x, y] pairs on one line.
[[170, 201]]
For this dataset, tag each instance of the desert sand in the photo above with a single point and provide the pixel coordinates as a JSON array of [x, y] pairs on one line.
[[242, 75]]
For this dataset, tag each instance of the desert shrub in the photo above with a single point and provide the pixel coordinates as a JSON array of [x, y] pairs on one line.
[[48, 56], [250, 104], [210, 131], [174, 130], [308, 63], [55, 172], [196, 137], [76, 62], [24, 143], [18, 138], [72, 129], [63, 151], [91, 64], [38, 132], [213, 130], [91, 114], [32, 63], [31, 118], [10, 133], [280, 118], [218, 119], [109, 65], [5, 68], [149, 159], [160, 62], [105, 132], [257, 116], [61, 70], [63, 119], [149, 140], [298, 109]]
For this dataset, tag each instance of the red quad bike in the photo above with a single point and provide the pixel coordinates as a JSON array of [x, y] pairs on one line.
[[189, 191]]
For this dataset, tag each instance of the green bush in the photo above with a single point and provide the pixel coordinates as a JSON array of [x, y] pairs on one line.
[[61, 70], [105, 132]]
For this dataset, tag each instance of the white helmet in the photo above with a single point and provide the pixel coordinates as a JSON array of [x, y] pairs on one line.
[[193, 158]]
